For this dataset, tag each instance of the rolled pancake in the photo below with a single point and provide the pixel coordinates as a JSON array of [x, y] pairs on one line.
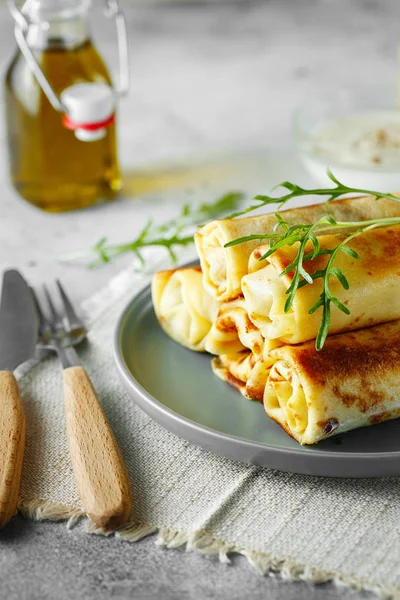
[[233, 331], [373, 296], [234, 369], [223, 268], [183, 307], [354, 381], [244, 372]]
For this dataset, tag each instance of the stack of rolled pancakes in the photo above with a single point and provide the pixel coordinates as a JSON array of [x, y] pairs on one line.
[[232, 306]]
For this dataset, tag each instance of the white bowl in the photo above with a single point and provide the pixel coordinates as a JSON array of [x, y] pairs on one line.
[[355, 135]]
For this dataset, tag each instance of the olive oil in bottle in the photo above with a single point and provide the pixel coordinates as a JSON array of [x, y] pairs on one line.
[[51, 165]]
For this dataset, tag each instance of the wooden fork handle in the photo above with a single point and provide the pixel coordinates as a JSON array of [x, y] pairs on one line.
[[100, 473], [12, 443]]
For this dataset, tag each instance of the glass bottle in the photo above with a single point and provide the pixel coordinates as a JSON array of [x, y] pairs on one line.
[[51, 165]]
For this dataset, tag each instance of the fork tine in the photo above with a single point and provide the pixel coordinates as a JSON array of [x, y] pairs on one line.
[[55, 318], [44, 324], [72, 318]]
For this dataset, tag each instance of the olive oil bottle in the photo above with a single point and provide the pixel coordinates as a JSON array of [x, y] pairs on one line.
[[52, 166]]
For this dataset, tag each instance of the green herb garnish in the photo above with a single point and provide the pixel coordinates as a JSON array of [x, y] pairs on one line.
[[295, 191], [304, 234], [176, 232]]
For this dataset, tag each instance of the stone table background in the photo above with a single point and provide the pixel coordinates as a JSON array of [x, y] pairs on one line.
[[208, 79]]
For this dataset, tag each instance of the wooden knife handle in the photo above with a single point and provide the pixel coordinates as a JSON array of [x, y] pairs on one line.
[[100, 473], [12, 443]]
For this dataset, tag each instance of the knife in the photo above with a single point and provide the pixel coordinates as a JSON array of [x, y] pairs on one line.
[[18, 333]]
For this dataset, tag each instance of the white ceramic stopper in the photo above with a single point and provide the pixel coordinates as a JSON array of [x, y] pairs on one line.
[[88, 104]]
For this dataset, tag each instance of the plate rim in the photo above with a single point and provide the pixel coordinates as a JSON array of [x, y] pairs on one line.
[[147, 401]]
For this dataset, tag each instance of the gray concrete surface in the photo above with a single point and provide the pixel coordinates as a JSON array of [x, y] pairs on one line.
[[205, 76], [40, 561]]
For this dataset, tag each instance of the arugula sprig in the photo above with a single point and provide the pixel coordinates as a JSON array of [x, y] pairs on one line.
[[295, 191], [173, 233], [305, 235]]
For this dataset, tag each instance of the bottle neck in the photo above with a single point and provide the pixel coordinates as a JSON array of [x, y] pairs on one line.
[[58, 33], [56, 23]]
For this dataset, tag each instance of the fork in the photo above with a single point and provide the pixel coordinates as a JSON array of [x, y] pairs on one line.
[[100, 473]]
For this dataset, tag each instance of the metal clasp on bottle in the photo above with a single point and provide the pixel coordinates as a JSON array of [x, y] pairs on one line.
[[112, 11]]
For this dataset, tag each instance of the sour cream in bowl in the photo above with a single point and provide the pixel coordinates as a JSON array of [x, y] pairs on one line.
[[357, 136]]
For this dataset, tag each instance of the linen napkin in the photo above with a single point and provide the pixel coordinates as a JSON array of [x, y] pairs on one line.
[[305, 527]]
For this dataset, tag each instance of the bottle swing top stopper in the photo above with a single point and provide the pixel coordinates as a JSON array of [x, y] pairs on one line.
[[89, 110]]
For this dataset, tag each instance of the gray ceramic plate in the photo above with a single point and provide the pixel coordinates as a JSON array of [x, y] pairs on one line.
[[177, 388]]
